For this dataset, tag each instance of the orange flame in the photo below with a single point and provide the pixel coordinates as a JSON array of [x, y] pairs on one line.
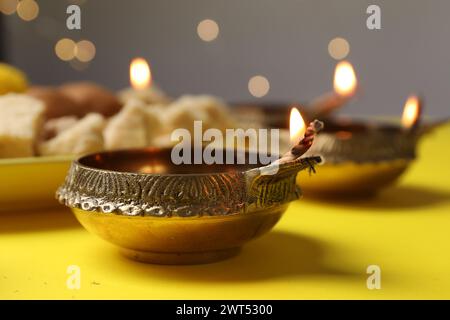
[[345, 79], [411, 112], [297, 126], [140, 75]]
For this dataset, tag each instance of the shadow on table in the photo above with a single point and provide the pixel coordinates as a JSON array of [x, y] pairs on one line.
[[277, 254], [37, 220], [396, 197]]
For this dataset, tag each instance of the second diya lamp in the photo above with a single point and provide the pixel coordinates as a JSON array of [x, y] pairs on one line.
[[361, 157]]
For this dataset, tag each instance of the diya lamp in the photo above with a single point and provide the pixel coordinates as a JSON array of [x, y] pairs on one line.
[[159, 212], [142, 87], [361, 157]]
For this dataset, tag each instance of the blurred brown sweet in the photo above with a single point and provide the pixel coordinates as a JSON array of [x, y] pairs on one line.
[[91, 97], [56, 104]]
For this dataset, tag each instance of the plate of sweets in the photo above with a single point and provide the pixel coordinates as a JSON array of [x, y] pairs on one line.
[[44, 128]]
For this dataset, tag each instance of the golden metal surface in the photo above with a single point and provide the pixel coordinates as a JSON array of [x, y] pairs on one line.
[[159, 212], [351, 179], [360, 158], [179, 240]]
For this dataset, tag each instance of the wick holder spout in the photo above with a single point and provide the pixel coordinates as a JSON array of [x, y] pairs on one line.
[[273, 183]]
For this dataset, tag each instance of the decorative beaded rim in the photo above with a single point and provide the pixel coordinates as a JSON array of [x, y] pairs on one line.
[[365, 147], [159, 195]]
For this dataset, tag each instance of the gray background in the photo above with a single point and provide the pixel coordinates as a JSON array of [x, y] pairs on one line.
[[284, 40]]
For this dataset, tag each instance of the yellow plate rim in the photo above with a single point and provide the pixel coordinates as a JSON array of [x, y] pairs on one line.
[[34, 160]]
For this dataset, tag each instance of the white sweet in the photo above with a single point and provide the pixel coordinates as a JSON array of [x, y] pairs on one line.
[[83, 137], [55, 126], [21, 119], [128, 128], [211, 111], [154, 125]]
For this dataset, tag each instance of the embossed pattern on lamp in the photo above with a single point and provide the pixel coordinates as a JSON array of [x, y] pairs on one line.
[[177, 214]]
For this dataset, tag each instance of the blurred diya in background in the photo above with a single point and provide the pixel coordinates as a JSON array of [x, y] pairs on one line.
[[361, 157]]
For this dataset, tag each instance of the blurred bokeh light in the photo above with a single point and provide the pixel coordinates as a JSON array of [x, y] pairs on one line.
[[208, 30], [8, 7], [85, 51], [28, 10], [65, 49], [338, 48], [258, 86]]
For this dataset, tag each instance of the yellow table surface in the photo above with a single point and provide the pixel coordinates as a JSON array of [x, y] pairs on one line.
[[318, 250]]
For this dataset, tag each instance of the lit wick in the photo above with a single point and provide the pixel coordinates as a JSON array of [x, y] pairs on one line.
[[140, 75], [345, 85], [304, 144], [297, 127], [412, 113], [142, 88]]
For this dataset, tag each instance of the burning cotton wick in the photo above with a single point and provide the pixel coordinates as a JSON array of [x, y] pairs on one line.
[[412, 112], [142, 90], [345, 84], [303, 145], [140, 75], [296, 126]]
